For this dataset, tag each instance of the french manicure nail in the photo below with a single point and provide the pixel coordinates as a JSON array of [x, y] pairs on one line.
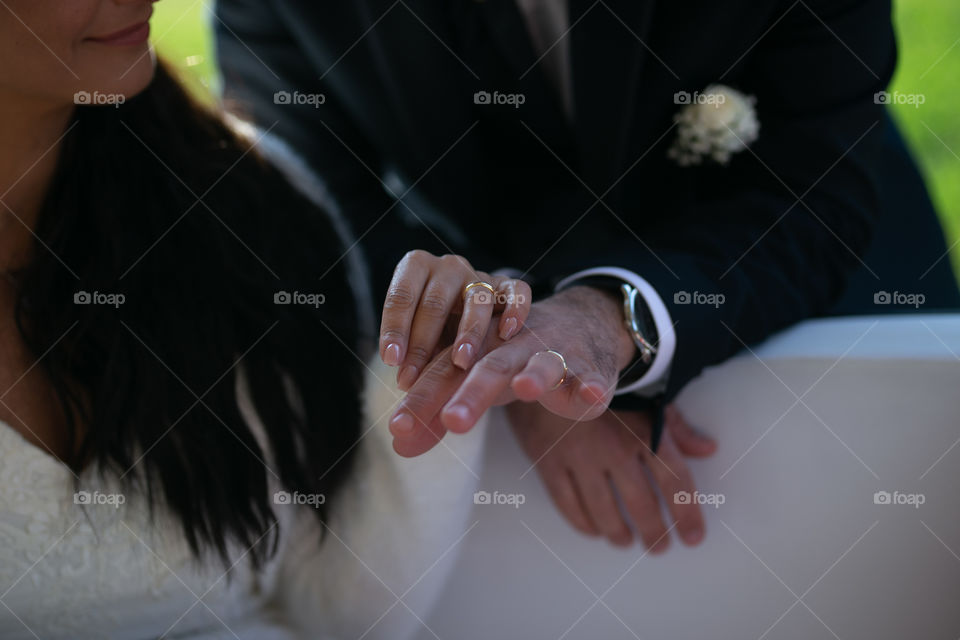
[[401, 424], [464, 355], [509, 328], [391, 355]]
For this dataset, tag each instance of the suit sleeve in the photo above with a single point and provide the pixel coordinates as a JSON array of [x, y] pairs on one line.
[[773, 236]]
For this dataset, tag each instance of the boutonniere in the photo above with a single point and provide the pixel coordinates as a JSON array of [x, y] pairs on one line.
[[713, 125]]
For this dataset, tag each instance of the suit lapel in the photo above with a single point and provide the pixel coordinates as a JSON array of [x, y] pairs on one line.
[[607, 60]]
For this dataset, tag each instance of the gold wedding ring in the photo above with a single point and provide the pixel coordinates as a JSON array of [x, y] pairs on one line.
[[478, 283], [563, 362]]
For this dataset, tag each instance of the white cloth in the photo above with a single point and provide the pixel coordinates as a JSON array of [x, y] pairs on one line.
[[111, 573]]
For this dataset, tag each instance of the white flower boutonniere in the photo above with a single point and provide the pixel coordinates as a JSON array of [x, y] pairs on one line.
[[715, 124]]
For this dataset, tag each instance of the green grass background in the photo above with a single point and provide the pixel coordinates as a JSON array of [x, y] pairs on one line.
[[929, 34]]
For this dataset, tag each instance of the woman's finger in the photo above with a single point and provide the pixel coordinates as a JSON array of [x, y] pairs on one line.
[[485, 384], [479, 303], [414, 424], [403, 295], [441, 297], [517, 296]]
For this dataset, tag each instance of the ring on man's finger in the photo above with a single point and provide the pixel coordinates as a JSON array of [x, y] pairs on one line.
[[563, 363]]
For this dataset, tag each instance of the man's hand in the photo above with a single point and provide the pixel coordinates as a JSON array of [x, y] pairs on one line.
[[581, 463], [583, 324]]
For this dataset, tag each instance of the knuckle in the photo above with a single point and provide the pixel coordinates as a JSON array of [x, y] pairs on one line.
[[495, 364], [452, 258], [433, 305], [441, 368], [399, 299], [524, 294], [391, 335], [418, 354], [415, 255], [475, 333]]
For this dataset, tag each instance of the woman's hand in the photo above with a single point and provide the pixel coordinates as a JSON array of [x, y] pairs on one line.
[[590, 347], [427, 294]]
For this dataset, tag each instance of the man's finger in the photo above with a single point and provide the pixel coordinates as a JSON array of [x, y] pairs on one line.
[[676, 485], [597, 494], [689, 441], [641, 504], [565, 498], [543, 371]]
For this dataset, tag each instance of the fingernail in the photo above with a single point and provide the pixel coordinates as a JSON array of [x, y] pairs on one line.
[[408, 375], [464, 355], [391, 355], [693, 536], [509, 328], [401, 424], [460, 413]]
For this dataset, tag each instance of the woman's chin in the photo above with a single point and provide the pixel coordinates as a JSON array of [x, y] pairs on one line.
[[123, 82]]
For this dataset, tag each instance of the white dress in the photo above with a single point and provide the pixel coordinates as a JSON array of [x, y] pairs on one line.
[[103, 570]]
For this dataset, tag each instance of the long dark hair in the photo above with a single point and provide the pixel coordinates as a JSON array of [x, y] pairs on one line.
[[147, 387]]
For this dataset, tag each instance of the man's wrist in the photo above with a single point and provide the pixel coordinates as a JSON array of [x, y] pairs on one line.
[[607, 308]]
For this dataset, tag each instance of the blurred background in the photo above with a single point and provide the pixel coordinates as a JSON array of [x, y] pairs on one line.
[[929, 36]]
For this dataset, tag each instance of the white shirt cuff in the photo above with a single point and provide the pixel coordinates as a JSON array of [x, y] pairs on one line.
[[667, 337]]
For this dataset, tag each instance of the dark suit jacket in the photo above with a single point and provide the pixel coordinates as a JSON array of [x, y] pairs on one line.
[[778, 231]]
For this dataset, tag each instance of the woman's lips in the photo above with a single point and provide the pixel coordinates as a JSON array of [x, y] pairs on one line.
[[137, 34]]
